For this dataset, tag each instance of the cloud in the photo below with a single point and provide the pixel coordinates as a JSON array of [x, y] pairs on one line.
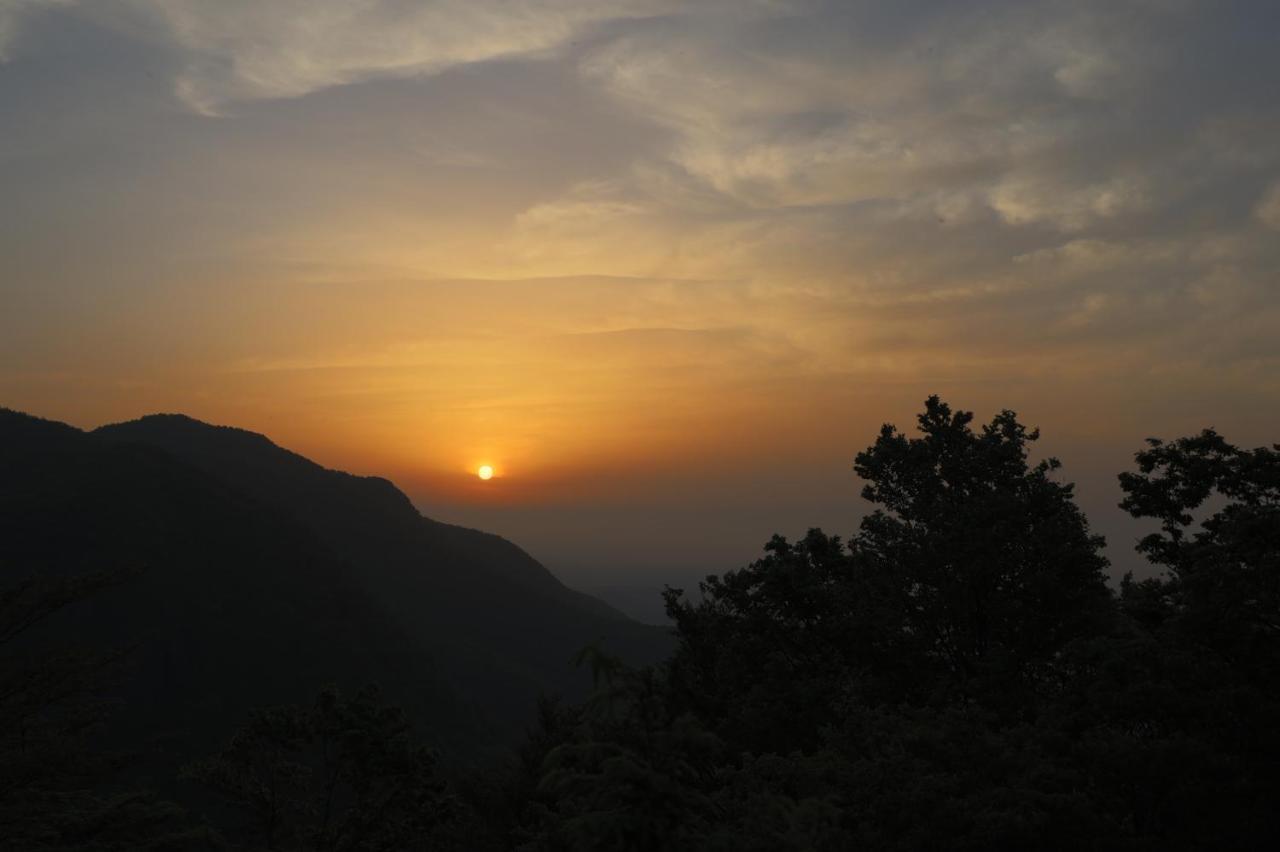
[[870, 177], [923, 157], [1268, 208], [251, 50], [850, 108], [1023, 201]]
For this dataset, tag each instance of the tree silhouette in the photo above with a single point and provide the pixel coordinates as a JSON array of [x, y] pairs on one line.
[[1223, 581], [991, 562], [957, 675], [59, 788], [1210, 668], [966, 583], [340, 776]]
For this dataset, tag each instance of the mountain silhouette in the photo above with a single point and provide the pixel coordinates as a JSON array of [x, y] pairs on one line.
[[262, 576]]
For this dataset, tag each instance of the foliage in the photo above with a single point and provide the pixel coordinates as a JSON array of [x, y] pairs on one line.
[[956, 675], [340, 776], [1223, 582], [52, 703], [992, 564]]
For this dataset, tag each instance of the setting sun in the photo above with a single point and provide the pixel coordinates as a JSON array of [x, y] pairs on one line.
[[485, 472]]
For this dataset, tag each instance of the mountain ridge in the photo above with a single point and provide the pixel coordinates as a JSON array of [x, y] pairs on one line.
[[251, 545], [207, 445]]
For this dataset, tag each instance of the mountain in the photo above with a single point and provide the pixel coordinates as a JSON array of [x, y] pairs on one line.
[[264, 576]]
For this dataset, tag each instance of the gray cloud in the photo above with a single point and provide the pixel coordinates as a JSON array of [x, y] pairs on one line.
[[253, 50], [1099, 175]]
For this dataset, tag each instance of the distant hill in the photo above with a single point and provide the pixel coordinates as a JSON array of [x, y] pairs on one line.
[[265, 576]]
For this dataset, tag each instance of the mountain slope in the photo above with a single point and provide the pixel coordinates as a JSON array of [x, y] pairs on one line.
[[353, 514], [234, 604], [268, 575], [501, 624]]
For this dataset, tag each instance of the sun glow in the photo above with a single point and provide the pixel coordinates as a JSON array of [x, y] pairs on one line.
[[485, 472]]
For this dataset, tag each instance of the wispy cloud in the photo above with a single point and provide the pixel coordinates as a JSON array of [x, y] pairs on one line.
[[253, 50]]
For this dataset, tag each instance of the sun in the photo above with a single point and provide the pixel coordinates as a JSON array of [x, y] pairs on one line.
[[485, 472]]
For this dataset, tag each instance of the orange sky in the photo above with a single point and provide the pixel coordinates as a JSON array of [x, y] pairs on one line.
[[665, 266]]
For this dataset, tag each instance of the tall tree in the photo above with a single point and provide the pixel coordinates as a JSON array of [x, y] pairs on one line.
[[994, 562], [1223, 568], [1213, 618], [971, 576]]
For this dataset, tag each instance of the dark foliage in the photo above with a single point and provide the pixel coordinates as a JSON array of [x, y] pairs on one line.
[[957, 675], [59, 789], [342, 775]]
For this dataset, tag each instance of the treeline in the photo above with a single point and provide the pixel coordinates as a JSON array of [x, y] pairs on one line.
[[957, 675]]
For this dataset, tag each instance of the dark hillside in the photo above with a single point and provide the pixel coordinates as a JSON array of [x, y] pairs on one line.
[[258, 577], [229, 604], [499, 621]]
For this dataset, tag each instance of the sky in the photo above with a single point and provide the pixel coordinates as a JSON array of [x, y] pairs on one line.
[[665, 266]]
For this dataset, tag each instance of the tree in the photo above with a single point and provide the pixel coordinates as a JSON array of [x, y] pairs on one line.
[[59, 789], [957, 676], [620, 773], [994, 565], [1223, 580], [340, 776], [1213, 618], [898, 691], [967, 582]]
